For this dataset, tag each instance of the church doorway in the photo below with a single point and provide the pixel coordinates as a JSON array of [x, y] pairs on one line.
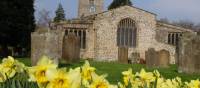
[[126, 38]]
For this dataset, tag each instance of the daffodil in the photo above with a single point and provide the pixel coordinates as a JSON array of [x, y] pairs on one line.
[[100, 82], [156, 73], [127, 76], [87, 72], [2, 74], [38, 73], [58, 78], [160, 83], [136, 83], [146, 77], [75, 77], [10, 66], [121, 85], [193, 84], [62, 79]]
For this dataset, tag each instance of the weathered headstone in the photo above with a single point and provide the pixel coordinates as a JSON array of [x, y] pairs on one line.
[[123, 54], [151, 57], [157, 58], [189, 60], [163, 58], [71, 48], [48, 44], [135, 57]]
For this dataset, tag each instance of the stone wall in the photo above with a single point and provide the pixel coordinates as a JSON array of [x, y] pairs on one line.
[[101, 35], [106, 25], [162, 36], [189, 53], [84, 7], [163, 29], [48, 43]]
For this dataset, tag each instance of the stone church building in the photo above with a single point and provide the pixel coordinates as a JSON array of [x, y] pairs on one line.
[[103, 33]]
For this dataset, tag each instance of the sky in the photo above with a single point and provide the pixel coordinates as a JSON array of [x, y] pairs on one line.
[[174, 10]]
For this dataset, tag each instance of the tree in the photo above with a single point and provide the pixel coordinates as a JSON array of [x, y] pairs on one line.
[[118, 3], [16, 22], [44, 18], [185, 23], [60, 14], [197, 27], [164, 20]]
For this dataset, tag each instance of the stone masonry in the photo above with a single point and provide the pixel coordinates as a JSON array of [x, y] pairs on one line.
[[85, 7], [101, 34], [189, 54]]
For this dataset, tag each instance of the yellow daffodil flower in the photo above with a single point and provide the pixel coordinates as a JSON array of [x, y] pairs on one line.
[[38, 73], [75, 77], [146, 77], [58, 78], [100, 82], [127, 76], [121, 85], [156, 73], [10, 66], [87, 72], [2, 74], [193, 84]]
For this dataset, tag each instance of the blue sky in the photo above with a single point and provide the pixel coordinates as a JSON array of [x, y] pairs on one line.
[[171, 9]]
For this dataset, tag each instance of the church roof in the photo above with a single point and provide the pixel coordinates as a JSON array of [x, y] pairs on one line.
[[94, 15], [159, 23]]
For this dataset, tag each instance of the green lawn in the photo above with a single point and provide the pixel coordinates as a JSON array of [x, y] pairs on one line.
[[113, 70]]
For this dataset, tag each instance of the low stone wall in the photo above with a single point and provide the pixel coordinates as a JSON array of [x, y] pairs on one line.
[[48, 43], [189, 53]]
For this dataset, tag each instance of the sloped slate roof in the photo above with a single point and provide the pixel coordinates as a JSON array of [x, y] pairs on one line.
[[92, 17], [159, 23]]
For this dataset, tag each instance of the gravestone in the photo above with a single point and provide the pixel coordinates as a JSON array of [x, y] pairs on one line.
[[189, 60], [164, 57], [151, 57], [157, 58], [71, 48], [123, 54], [135, 57], [47, 43]]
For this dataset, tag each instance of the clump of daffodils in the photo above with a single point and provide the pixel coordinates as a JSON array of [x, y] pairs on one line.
[[9, 68], [47, 75]]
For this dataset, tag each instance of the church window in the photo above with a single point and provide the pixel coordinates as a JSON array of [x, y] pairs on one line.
[[126, 33], [81, 34], [174, 38], [92, 6]]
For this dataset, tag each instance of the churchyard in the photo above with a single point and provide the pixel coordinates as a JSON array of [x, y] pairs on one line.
[[122, 47], [115, 69]]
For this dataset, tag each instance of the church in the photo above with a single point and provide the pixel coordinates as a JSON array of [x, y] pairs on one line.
[[105, 34]]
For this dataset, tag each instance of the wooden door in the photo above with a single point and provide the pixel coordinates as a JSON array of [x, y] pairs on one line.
[[123, 54]]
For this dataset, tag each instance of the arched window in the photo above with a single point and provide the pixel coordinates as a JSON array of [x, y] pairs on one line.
[[92, 6], [126, 33]]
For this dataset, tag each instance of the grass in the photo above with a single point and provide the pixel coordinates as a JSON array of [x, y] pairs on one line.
[[113, 69]]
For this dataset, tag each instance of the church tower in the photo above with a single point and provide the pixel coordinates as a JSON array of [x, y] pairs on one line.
[[89, 7]]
